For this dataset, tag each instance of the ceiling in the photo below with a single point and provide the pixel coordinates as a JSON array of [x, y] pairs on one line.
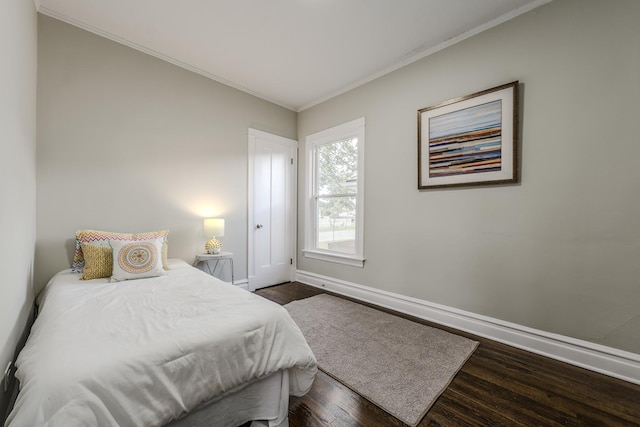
[[295, 53]]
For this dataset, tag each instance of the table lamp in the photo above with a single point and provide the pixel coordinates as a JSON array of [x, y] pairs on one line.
[[213, 227]]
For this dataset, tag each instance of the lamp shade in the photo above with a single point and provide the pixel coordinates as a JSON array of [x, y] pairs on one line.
[[213, 227]]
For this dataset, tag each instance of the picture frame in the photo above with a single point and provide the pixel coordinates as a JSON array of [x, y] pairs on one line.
[[472, 140]]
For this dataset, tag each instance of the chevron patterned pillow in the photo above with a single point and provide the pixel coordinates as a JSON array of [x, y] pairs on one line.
[[102, 238]]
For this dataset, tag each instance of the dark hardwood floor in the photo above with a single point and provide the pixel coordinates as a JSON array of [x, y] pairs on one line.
[[498, 386]]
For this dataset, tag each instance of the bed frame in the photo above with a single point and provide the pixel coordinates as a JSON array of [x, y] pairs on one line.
[[265, 402]]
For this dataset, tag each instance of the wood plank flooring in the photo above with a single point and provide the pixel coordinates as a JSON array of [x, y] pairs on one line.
[[498, 386]]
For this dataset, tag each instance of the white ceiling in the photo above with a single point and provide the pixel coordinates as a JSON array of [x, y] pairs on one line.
[[295, 53]]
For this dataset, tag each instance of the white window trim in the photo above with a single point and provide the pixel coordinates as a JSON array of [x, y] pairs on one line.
[[354, 128]]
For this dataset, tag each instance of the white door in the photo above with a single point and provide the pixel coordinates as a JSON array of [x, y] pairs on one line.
[[272, 209]]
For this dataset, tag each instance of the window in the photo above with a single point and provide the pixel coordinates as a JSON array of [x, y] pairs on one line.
[[334, 208]]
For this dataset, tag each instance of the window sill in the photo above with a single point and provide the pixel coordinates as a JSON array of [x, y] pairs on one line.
[[333, 257]]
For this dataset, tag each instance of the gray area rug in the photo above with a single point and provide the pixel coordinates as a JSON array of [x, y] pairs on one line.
[[400, 365]]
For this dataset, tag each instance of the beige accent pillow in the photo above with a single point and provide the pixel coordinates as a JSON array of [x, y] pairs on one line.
[[98, 261]]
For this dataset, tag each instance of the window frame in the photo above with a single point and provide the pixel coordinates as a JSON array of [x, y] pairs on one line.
[[354, 128]]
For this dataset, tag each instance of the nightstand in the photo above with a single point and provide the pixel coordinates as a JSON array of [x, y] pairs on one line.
[[210, 258]]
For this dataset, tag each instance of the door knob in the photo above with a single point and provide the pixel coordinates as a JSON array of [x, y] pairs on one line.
[[259, 226]]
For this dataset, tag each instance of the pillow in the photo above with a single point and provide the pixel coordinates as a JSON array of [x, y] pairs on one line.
[[102, 238], [137, 259], [98, 261]]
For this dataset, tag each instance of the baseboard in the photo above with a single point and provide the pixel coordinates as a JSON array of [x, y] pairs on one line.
[[598, 358], [242, 284]]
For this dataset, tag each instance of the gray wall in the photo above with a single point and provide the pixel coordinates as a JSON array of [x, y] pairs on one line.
[[18, 50], [127, 142], [559, 252]]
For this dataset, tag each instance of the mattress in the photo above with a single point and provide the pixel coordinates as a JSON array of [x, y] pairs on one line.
[[146, 352]]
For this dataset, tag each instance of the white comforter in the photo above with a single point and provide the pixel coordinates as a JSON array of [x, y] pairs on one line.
[[144, 352]]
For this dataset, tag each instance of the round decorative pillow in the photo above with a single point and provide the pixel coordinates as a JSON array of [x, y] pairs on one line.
[[137, 259]]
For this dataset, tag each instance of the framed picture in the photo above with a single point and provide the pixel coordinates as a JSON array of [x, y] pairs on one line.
[[471, 140]]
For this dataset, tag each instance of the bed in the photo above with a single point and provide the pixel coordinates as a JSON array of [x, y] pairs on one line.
[[183, 349]]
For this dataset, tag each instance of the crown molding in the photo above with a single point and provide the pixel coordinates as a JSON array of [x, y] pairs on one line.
[[413, 56], [123, 41], [419, 54]]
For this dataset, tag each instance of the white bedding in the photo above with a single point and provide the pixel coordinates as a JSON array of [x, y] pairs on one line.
[[144, 352]]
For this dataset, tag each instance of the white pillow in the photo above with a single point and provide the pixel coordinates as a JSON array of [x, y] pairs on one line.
[[137, 259]]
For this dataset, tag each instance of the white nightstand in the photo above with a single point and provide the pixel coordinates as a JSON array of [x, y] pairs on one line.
[[207, 258]]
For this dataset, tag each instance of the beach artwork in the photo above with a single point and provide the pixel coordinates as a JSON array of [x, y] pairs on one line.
[[469, 141], [466, 141]]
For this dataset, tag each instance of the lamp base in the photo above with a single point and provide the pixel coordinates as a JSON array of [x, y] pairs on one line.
[[213, 246]]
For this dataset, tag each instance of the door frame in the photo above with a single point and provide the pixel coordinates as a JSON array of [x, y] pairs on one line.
[[292, 202]]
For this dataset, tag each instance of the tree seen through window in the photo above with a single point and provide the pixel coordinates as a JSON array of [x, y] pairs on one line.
[[337, 178]]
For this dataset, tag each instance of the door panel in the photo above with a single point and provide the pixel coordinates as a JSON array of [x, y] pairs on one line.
[[272, 209]]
